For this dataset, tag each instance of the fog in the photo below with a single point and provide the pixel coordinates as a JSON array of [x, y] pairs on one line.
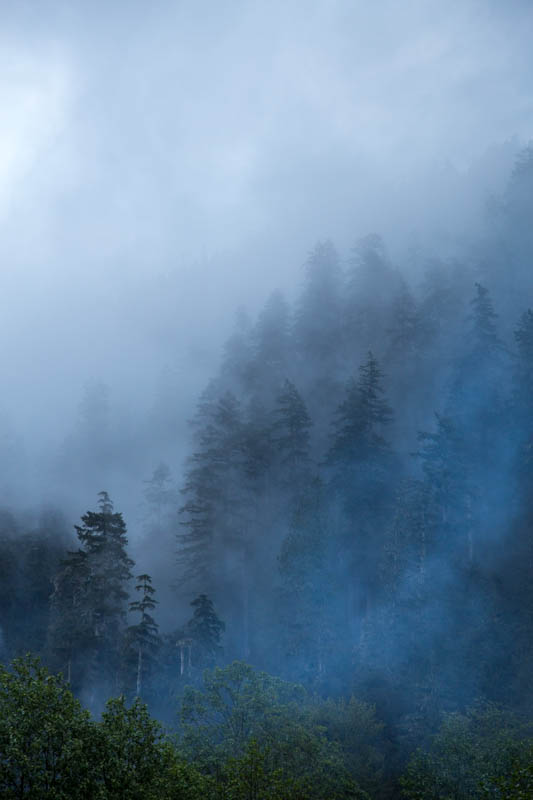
[[162, 165], [264, 279]]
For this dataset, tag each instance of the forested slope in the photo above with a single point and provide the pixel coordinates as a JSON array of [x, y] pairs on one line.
[[354, 517]]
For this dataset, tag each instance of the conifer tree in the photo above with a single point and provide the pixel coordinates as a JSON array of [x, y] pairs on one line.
[[70, 635], [142, 640], [291, 436], [360, 418], [360, 463], [210, 485], [216, 547], [90, 597], [205, 629]]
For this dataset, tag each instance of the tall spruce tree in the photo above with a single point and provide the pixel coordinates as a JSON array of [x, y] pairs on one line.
[[291, 436], [361, 463], [210, 484], [215, 549], [360, 419], [205, 629], [90, 599], [141, 641]]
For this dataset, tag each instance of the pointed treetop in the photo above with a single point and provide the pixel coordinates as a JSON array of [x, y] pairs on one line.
[[105, 503], [144, 583], [361, 415], [147, 601]]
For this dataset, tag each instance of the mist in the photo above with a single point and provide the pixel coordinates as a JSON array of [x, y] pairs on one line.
[[265, 280], [162, 167]]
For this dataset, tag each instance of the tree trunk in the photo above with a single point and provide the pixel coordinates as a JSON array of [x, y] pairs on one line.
[[245, 613], [139, 671]]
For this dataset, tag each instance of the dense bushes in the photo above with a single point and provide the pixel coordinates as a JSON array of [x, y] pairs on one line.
[[243, 735]]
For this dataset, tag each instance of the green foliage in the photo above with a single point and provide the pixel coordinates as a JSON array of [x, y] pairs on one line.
[[247, 736], [51, 748], [46, 738], [298, 771], [255, 733], [89, 600], [235, 704], [353, 725], [141, 641], [131, 755], [468, 753], [249, 777], [517, 782]]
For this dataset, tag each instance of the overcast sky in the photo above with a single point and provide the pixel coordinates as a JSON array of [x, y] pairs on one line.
[[162, 162]]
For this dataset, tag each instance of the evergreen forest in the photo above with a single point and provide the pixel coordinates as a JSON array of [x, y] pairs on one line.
[[342, 600]]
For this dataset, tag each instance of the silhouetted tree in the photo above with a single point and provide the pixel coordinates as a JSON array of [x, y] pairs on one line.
[[142, 641], [90, 597], [205, 629]]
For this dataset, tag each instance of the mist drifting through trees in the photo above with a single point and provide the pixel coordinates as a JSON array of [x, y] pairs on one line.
[[267, 423]]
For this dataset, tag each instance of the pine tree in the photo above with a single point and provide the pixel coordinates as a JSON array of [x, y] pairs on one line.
[[216, 547], [291, 436], [360, 418], [360, 463], [90, 598], [205, 629], [210, 485], [142, 640]]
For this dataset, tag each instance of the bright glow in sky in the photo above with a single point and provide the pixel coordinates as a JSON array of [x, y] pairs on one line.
[[161, 163]]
